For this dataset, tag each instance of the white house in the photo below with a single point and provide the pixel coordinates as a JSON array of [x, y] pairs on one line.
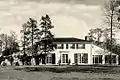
[[78, 51]]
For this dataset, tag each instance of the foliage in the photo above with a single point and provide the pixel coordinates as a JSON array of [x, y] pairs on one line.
[[9, 44], [47, 37], [112, 19], [38, 39], [95, 34], [31, 35], [111, 13], [115, 46]]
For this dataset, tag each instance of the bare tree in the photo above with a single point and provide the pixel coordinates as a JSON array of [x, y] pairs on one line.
[[9, 44], [95, 34], [111, 10]]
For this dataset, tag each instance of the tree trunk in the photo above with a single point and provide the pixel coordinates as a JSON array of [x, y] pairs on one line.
[[110, 61]]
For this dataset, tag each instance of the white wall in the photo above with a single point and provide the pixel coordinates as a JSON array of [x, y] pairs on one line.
[[71, 53], [91, 49]]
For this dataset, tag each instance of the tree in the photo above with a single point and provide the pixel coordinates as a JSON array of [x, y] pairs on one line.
[[111, 17], [9, 43], [12, 41], [31, 35], [4, 39], [91, 35], [47, 38], [98, 31], [95, 34]]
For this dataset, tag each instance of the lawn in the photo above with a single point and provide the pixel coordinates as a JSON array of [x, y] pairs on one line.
[[67, 69], [33, 73]]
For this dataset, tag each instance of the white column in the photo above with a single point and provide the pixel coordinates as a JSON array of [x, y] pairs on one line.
[[57, 57], [103, 59], [90, 58], [117, 59], [71, 57]]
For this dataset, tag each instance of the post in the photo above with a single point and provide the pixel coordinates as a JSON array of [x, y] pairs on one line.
[[117, 59], [103, 59]]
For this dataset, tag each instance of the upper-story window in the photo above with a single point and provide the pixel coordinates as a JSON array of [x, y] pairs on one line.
[[72, 46], [80, 46], [60, 46]]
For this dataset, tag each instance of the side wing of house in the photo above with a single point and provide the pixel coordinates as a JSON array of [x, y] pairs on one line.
[[102, 56]]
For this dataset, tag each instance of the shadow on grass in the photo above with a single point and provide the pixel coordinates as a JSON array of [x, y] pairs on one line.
[[67, 69], [76, 78]]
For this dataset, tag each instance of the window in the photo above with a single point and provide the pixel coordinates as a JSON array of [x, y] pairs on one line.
[[107, 58], [60, 46], [80, 46], [64, 58], [76, 58], [81, 58], [49, 59], [114, 59], [97, 59], [85, 58], [72, 46]]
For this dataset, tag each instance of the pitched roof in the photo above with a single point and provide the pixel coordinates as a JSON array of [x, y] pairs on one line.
[[70, 39]]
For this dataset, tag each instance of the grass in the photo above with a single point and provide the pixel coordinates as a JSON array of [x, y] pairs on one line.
[[67, 69], [88, 72]]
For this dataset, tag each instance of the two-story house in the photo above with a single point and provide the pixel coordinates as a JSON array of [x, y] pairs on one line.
[[78, 51]]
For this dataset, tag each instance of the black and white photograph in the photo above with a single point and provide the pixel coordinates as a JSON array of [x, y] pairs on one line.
[[59, 39]]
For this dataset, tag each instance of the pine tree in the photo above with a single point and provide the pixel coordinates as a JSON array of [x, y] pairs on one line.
[[31, 35], [47, 39]]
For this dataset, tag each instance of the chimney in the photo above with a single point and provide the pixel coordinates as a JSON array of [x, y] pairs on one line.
[[86, 38]]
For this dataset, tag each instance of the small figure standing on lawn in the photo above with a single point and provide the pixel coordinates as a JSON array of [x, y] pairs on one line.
[[33, 62], [7, 62]]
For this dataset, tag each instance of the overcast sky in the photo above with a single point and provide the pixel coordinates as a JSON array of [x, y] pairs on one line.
[[70, 17]]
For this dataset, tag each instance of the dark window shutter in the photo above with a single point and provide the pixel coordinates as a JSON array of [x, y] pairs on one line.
[[53, 58], [43, 59]]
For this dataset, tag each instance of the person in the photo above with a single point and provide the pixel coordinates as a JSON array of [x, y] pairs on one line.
[[7, 62], [33, 62], [15, 62]]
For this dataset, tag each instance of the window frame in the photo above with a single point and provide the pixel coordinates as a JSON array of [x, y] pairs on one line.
[[79, 47], [60, 46], [97, 59], [80, 58], [49, 60], [64, 58]]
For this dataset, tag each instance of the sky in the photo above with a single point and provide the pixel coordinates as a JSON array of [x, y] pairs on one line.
[[71, 18]]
